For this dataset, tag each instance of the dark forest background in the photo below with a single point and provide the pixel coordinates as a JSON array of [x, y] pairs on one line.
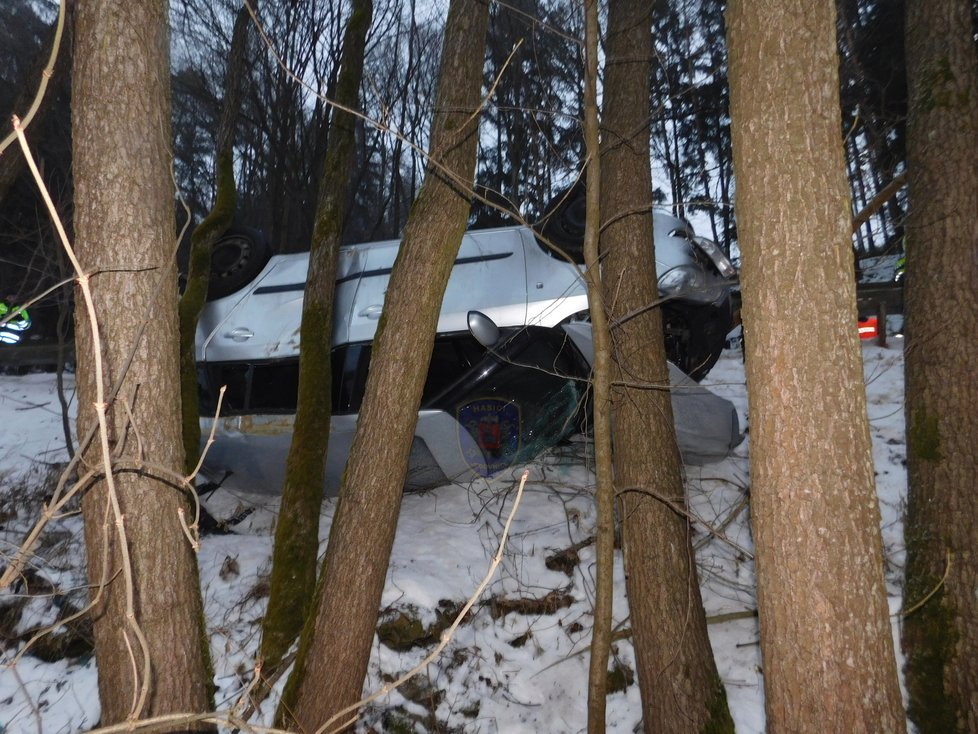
[[531, 142]]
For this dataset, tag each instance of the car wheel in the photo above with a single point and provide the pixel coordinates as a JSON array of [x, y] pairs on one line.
[[564, 221], [694, 340], [237, 258]]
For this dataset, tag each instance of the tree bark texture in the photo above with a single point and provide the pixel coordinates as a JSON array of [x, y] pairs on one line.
[[681, 689], [604, 491], [826, 639], [335, 646], [126, 240], [941, 636], [293, 579]]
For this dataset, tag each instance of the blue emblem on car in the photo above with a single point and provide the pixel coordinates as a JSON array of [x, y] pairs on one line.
[[489, 434]]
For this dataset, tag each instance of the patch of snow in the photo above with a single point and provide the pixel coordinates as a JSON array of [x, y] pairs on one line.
[[515, 673]]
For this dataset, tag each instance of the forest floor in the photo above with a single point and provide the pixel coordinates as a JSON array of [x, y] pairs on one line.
[[517, 664]]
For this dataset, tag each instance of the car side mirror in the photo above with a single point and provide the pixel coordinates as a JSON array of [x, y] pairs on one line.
[[483, 328]]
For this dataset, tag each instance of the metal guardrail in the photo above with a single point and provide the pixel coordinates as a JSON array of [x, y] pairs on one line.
[[870, 296], [43, 354]]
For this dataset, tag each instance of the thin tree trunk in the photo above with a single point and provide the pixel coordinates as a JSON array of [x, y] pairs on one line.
[[125, 237], [293, 578], [885, 230], [826, 639], [335, 645], [204, 237], [681, 689], [601, 385], [941, 634]]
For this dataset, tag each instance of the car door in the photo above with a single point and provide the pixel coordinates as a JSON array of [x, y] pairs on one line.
[[489, 275], [259, 322]]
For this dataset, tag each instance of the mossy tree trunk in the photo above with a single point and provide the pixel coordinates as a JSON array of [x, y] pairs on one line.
[[124, 237], [293, 579], [941, 636], [826, 638], [335, 645], [681, 689], [206, 234]]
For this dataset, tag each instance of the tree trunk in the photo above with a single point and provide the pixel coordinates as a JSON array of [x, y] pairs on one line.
[[335, 645], [293, 578], [825, 630], [681, 690], [941, 636], [604, 493], [205, 236], [125, 239]]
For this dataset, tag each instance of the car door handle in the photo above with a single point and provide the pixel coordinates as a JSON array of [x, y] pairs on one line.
[[372, 312], [239, 334]]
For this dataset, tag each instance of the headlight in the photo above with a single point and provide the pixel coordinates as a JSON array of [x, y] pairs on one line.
[[723, 265], [690, 283], [680, 280]]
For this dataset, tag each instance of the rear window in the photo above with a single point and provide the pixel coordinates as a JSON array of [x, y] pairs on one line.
[[269, 387]]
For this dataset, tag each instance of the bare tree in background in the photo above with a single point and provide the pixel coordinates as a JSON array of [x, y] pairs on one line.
[[148, 622], [940, 633], [335, 645], [826, 639], [33, 99], [681, 689]]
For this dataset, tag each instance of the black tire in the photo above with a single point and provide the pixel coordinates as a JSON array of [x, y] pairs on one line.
[[695, 336], [238, 257], [564, 220]]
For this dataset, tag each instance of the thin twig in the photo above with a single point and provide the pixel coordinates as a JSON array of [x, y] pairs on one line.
[[46, 75], [937, 587], [680, 510], [210, 438]]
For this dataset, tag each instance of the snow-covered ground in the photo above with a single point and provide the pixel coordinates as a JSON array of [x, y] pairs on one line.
[[515, 671]]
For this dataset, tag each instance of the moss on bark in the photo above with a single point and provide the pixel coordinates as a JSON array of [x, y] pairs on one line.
[[929, 635], [719, 720], [206, 234], [925, 436], [294, 559], [195, 295]]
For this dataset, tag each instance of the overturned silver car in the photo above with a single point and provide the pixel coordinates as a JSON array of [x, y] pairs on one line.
[[487, 404]]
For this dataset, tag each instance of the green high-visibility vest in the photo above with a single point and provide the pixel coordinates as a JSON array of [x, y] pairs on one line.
[[19, 318]]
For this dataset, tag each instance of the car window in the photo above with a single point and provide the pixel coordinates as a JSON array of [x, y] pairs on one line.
[[536, 363], [263, 387], [274, 387], [210, 380], [527, 366], [524, 396], [452, 356], [350, 365]]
